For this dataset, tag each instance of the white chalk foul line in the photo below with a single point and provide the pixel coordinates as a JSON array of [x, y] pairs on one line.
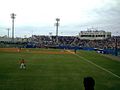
[[96, 65]]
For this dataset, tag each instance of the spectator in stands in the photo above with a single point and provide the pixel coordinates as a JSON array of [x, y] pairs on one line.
[[89, 83]]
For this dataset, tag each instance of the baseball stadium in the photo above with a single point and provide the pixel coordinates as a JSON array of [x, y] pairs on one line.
[[59, 45], [59, 63]]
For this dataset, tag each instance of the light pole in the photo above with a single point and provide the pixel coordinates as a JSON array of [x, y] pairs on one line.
[[116, 49], [13, 17], [8, 31], [57, 24], [116, 44]]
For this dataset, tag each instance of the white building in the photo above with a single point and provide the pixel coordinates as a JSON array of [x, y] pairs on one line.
[[94, 35]]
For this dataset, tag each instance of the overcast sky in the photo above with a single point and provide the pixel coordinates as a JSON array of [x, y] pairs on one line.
[[38, 16]]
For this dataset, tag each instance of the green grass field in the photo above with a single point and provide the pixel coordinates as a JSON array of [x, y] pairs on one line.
[[59, 71]]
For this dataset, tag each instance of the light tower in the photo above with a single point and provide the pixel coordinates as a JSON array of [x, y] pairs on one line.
[[116, 49], [13, 17], [8, 31], [57, 24], [116, 44]]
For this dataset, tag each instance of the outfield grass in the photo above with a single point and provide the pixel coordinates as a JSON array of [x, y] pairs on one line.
[[57, 72]]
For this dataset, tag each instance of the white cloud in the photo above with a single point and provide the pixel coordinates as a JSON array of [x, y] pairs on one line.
[[42, 13]]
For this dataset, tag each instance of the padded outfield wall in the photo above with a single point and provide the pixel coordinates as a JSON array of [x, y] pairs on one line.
[[104, 51]]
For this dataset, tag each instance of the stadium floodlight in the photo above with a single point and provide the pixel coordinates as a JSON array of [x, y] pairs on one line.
[[13, 17], [57, 19], [116, 49], [57, 24], [8, 31], [116, 43]]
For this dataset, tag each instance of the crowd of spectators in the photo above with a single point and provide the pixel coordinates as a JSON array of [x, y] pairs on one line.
[[108, 43], [5, 44], [52, 41]]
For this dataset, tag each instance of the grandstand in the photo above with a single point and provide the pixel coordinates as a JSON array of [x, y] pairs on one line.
[[93, 34], [87, 40]]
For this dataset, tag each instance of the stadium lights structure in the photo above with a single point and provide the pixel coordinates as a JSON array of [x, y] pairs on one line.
[[116, 49], [57, 24], [13, 17], [8, 31], [116, 43]]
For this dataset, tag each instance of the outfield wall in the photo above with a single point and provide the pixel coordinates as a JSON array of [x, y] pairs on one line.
[[104, 51]]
